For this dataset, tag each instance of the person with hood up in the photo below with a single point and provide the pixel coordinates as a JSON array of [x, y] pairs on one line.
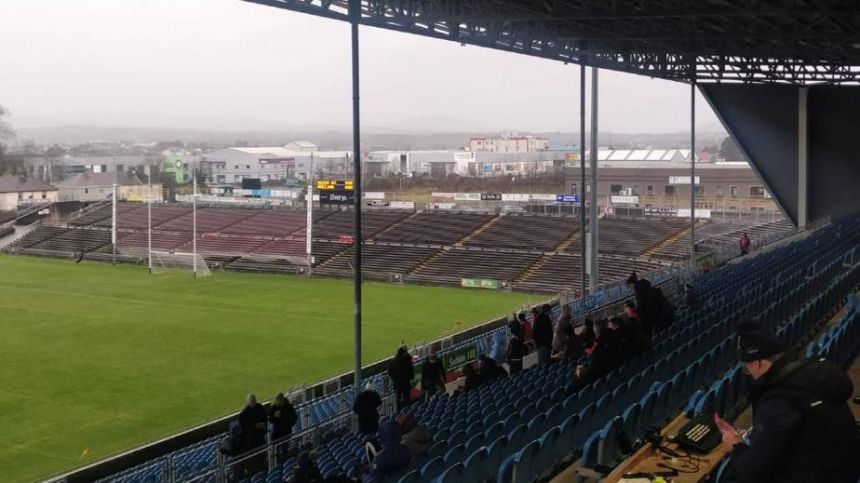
[[252, 420], [366, 408], [401, 372], [542, 330], [415, 436], [393, 455], [803, 429], [516, 348]]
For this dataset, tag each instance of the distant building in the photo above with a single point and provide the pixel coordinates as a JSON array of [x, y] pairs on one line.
[[51, 170], [301, 146], [24, 190], [99, 186], [231, 165], [508, 144]]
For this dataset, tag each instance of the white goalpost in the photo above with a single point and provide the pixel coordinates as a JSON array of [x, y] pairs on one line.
[[172, 261]]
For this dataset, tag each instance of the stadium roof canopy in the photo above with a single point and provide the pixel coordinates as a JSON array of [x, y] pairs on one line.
[[752, 41]]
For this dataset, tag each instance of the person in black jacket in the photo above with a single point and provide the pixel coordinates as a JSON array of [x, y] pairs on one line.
[[366, 408], [542, 333], [647, 306], [606, 356], [803, 429], [516, 349], [401, 372], [252, 420], [432, 375], [282, 417]]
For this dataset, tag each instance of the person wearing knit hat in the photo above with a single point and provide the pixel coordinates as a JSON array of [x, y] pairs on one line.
[[803, 429]]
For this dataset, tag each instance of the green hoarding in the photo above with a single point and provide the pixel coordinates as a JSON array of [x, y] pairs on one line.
[[480, 283]]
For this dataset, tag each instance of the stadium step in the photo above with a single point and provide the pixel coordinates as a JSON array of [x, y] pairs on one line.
[[477, 232], [426, 262], [532, 269], [570, 240], [649, 253], [392, 227]]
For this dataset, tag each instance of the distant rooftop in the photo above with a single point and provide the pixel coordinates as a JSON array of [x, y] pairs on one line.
[[19, 184]]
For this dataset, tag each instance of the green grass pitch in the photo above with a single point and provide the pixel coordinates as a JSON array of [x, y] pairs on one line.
[[96, 359]]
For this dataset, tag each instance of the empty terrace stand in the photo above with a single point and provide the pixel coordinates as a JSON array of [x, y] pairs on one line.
[[632, 236], [208, 220], [559, 271], [271, 256], [378, 260], [137, 217], [527, 232], [435, 228], [220, 245], [165, 241], [342, 223], [450, 266], [6, 216], [36, 236], [270, 223], [103, 213]]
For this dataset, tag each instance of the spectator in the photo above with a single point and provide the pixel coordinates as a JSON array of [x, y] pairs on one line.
[[252, 421], [401, 372], [605, 356], [516, 348], [803, 429], [631, 280], [632, 339], [366, 408], [744, 244], [282, 417], [543, 334], [415, 436], [305, 469], [488, 369], [473, 379], [562, 331], [582, 341], [525, 328], [392, 457], [630, 312], [432, 375], [647, 307]]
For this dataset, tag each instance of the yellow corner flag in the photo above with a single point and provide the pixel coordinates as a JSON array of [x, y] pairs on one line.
[[84, 453]]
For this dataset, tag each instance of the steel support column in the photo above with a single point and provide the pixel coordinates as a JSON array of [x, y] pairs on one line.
[[355, 16], [595, 271], [692, 174], [802, 158], [582, 232]]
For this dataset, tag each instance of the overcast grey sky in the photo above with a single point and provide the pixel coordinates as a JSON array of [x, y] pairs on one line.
[[227, 64]]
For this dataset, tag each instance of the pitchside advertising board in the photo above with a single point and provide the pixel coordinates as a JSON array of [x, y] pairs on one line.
[[452, 361], [336, 192]]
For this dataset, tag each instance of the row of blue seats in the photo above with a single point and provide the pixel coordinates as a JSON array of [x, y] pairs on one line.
[[841, 343], [602, 446], [727, 393]]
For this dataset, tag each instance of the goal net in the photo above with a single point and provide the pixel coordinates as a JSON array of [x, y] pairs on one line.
[[166, 261]]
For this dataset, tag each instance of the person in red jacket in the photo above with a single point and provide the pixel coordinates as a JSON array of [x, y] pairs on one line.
[[745, 244]]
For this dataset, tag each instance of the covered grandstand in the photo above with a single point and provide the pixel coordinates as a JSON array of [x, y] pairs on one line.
[[534, 425]]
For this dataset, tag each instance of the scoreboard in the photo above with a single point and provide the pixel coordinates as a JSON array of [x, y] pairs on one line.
[[330, 184], [336, 192]]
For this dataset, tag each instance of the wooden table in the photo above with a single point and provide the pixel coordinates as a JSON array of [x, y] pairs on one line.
[[646, 460]]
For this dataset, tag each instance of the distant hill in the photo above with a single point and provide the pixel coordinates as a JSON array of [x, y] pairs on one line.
[[373, 138]]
